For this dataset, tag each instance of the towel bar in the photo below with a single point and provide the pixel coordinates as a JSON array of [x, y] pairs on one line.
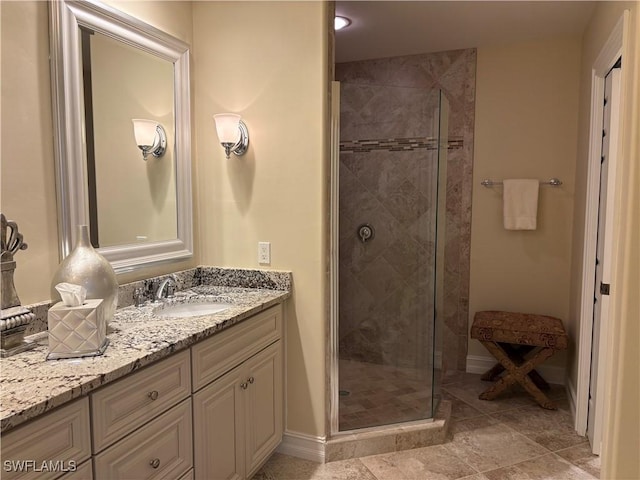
[[554, 182]]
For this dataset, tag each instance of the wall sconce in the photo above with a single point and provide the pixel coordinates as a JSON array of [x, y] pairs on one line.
[[150, 137], [232, 133]]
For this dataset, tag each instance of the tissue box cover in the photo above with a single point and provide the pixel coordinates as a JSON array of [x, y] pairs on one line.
[[77, 331]]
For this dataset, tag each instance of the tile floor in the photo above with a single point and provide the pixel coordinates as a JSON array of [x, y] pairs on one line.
[[510, 438]]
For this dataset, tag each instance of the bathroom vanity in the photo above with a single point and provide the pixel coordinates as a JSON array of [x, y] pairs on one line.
[[192, 397]]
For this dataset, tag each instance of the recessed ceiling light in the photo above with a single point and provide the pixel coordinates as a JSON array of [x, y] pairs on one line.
[[341, 22]]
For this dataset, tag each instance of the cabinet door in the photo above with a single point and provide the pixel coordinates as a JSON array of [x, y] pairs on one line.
[[263, 404], [218, 422]]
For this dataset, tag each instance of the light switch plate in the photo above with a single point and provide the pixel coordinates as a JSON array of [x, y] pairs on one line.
[[264, 253]]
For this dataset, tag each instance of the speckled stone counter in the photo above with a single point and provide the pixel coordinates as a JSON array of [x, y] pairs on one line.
[[31, 385]]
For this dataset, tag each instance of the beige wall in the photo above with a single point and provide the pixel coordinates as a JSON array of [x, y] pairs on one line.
[[622, 416], [267, 62], [526, 127], [28, 177], [28, 181]]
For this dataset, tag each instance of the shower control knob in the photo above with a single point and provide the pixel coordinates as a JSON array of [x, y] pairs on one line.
[[365, 232]]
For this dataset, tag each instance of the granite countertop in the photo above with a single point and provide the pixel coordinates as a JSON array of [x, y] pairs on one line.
[[31, 385]]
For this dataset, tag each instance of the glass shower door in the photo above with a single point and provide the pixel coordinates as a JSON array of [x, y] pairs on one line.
[[390, 248]]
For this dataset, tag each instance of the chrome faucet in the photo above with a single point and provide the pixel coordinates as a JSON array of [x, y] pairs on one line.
[[166, 288]]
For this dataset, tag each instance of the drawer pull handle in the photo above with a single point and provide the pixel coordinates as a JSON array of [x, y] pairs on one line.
[[244, 385], [251, 379], [153, 395], [155, 463]]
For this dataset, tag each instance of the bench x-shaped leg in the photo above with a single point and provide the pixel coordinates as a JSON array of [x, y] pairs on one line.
[[518, 373], [516, 353]]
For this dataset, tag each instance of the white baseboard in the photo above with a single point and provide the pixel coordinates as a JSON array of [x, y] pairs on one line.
[[301, 445], [551, 373]]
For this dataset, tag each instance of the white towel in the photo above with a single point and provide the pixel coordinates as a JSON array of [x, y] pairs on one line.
[[520, 204]]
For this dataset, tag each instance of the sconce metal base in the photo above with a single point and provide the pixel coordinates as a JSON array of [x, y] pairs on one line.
[[159, 144], [241, 146]]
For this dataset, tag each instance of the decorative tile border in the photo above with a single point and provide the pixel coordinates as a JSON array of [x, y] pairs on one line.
[[398, 144]]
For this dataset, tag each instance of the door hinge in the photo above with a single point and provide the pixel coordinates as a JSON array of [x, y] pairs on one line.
[[604, 288]]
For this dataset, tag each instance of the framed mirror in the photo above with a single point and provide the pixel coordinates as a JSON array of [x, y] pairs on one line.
[[108, 68]]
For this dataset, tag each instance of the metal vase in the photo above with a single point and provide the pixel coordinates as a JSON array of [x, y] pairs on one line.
[[84, 266]]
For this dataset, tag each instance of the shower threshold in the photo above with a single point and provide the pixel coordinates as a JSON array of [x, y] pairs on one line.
[[390, 438]]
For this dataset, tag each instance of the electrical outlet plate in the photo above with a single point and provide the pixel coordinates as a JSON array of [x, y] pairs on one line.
[[264, 253]]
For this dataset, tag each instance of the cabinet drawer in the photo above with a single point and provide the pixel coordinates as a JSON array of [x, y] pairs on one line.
[[56, 439], [129, 403], [82, 472], [220, 353], [160, 449], [188, 476]]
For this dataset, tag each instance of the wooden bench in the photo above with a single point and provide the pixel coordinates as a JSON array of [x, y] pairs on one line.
[[510, 337]]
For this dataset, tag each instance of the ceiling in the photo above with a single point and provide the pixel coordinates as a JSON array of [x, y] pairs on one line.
[[391, 28]]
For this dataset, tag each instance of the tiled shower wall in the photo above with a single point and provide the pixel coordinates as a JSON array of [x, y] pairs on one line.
[[388, 175], [383, 337]]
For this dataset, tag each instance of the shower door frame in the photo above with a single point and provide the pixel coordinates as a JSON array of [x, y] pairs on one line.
[[334, 186], [332, 356]]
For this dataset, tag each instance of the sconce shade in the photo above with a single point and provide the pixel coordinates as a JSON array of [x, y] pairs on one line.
[[144, 130], [232, 133], [227, 127], [150, 137]]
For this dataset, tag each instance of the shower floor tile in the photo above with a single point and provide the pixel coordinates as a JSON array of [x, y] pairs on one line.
[[374, 394]]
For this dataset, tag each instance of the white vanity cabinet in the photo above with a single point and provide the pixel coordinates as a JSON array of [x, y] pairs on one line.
[[214, 411], [238, 417]]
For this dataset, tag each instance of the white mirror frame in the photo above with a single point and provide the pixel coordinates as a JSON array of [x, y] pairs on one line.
[[69, 126]]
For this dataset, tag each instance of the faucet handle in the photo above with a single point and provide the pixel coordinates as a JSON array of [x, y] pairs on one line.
[[139, 296], [151, 286]]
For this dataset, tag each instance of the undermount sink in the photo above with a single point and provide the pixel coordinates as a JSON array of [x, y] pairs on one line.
[[194, 309]]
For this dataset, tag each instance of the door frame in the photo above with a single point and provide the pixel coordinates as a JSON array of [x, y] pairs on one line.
[[604, 241], [611, 51]]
